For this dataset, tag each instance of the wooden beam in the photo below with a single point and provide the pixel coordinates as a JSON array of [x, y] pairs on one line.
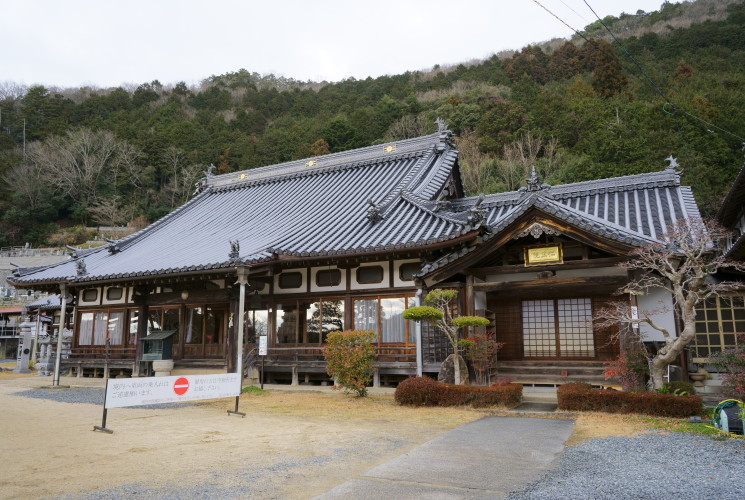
[[605, 281], [572, 264]]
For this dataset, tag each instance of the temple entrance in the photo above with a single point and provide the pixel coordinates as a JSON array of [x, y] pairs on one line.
[[558, 328], [205, 332]]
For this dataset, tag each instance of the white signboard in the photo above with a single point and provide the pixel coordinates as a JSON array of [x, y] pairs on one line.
[[635, 315], [262, 345], [122, 392]]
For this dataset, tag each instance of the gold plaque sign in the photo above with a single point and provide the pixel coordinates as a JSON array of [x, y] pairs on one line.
[[543, 255]]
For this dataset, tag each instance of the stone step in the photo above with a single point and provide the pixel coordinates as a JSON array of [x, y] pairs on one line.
[[553, 362], [549, 380], [550, 370]]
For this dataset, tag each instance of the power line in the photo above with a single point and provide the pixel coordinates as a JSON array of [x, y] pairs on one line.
[[578, 14], [560, 19], [654, 85]]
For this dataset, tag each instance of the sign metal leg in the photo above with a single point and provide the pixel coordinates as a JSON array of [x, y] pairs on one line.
[[102, 427], [236, 412]]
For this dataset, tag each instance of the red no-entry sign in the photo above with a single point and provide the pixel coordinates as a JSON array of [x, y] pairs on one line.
[[180, 386]]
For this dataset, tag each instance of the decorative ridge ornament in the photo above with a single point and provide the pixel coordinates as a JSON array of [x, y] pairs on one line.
[[373, 213], [210, 170], [80, 268], [536, 230], [533, 183], [673, 166], [478, 215], [446, 136], [200, 185], [673, 163], [235, 250]]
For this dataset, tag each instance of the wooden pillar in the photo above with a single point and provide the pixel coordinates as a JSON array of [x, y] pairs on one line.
[[231, 351], [140, 299], [469, 296], [63, 315]]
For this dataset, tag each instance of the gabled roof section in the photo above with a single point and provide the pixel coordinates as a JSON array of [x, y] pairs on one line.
[[369, 200], [632, 207], [632, 211]]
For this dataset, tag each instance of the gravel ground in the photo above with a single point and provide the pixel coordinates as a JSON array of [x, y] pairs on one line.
[[661, 466], [84, 395]]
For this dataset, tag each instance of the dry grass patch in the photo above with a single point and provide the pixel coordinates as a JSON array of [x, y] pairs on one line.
[[595, 425], [340, 406]]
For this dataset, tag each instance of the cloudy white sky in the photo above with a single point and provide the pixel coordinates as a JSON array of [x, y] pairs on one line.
[[107, 42]]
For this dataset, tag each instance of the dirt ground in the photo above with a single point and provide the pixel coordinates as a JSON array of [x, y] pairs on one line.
[[290, 445]]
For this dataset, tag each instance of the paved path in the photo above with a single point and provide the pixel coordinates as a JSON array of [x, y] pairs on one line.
[[484, 459]]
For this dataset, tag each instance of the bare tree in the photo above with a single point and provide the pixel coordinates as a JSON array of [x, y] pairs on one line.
[[182, 176], [682, 265], [27, 181], [475, 166], [12, 91], [408, 126], [111, 212], [520, 156], [83, 162]]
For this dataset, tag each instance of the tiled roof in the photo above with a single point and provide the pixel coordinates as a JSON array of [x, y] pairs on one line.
[[306, 208], [51, 302], [371, 200], [632, 210]]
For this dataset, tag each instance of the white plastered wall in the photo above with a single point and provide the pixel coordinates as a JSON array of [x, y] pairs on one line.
[[303, 285], [657, 304]]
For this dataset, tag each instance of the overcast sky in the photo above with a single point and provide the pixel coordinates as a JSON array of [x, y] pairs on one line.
[[106, 43]]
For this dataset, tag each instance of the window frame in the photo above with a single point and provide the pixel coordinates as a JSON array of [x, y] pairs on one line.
[[125, 340], [409, 333], [301, 323]]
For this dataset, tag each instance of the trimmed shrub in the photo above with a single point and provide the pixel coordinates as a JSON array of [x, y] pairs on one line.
[[349, 358], [418, 391], [423, 391], [581, 397]]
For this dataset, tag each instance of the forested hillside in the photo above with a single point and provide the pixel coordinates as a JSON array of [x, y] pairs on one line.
[[577, 110]]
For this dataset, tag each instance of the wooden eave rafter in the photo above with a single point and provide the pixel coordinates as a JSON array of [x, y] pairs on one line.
[[534, 215]]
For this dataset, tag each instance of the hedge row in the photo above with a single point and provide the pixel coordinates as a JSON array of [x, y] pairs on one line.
[[582, 397], [423, 391]]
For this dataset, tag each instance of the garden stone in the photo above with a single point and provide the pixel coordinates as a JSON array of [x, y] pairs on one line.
[[447, 371]]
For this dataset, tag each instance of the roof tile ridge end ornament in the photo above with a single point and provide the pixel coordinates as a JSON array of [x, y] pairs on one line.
[[435, 209], [375, 151], [534, 187], [674, 167], [127, 241]]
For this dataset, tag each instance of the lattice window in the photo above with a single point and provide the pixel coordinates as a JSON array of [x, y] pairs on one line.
[[562, 327], [539, 328], [576, 337], [718, 321]]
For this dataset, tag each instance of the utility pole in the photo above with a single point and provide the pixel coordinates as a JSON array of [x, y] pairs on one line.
[[24, 140]]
